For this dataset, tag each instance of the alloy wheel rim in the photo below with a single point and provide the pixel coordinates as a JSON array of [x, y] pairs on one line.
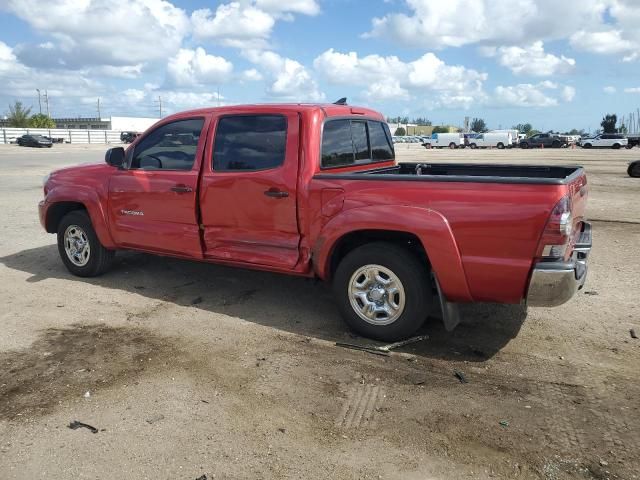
[[76, 245], [376, 295]]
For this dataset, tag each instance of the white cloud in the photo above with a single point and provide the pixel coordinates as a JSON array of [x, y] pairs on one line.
[[597, 26], [305, 7], [610, 90], [389, 77], [100, 32], [290, 80], [252, 75], [632, 90], [543, 94], [247, 24], [190, 68], [234, 25], [531, 60]]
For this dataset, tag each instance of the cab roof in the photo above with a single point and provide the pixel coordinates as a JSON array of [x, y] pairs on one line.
[[328, 109]]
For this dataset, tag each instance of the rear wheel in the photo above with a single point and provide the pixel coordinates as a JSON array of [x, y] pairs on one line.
[[634, 169], [616, 146], [383, 291], [524, 145], [452, 145], [556, 144], [586, 145], [500, 145], [473, 146], [79, 247]]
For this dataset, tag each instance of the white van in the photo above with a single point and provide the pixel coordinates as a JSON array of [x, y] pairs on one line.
[[492, 139], [515, 135], [445, 140]]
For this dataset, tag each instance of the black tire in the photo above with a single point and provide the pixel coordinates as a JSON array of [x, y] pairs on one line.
[[500, 145], [99, 259], [408, 268], [452, 145], [524, 145], [634, 169], [473, 146], [556, 144], [616, 146], [586, 145]]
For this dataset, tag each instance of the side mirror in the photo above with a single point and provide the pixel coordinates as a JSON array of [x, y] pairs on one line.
[[115, 157]]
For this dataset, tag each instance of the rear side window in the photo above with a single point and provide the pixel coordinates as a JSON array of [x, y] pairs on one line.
[[379, 137], [350, 142], [250, 142], [171, 146]]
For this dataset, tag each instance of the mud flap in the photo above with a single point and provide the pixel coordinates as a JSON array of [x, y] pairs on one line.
[[450, 311]]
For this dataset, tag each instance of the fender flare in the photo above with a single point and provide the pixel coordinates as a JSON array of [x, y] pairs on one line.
[[431, 228], [92, 203]]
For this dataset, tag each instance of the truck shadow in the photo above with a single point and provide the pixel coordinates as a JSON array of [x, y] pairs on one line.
[[301, 306]]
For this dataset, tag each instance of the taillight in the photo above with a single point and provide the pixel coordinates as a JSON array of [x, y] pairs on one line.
[[557, 232]]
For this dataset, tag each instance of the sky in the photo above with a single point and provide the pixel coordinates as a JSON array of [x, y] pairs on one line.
[[556, 64]]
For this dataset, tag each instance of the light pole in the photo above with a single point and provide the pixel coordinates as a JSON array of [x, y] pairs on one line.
[[39, 101]]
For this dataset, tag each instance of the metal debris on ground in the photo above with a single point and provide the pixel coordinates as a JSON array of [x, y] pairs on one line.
[[504, 423], [203, 477], [384, 350], [460, 376], [76, 425], [632, 332]]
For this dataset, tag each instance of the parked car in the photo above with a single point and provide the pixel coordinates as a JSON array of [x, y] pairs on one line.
[[633, 140], [487, 140], [399, 242], [445, 140], [128, 137], [634, 169], [34, 141], [605, 140], [546, 140]]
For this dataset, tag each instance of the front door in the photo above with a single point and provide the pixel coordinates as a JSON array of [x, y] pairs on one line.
[[248, 191], [152, 202]]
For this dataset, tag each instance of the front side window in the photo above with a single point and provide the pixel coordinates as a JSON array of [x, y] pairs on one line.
[[250, 142], [171, 146], [348, 142]]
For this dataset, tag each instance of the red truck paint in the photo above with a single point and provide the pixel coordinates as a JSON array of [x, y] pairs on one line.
[[481, 238]]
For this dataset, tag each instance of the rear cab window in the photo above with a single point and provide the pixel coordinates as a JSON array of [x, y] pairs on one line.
[[348, 142]]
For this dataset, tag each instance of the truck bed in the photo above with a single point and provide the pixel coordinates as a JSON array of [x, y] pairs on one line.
[[467, 172]]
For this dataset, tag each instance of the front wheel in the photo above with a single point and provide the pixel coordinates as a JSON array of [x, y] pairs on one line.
[[586, 145], [524, 145], [500, 145], [79, 247], [383, 291]]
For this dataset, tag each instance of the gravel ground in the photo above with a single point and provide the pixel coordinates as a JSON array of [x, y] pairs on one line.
[[189, 369]]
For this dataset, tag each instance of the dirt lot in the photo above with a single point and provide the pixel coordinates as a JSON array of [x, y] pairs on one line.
[[196, 369]]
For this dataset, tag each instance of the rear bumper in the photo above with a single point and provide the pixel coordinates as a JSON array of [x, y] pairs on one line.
[[554, 283]]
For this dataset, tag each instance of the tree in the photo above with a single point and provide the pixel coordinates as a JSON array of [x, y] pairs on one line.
[[18, 115], [440, 129], [400, 132], [423, 122], [40, 120], [523, 128], [478, 125], [533, 132], [608, 123]]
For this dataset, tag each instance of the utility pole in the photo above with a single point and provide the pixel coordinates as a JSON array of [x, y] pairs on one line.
[[99, 116], [39, 101], [46, 101], [160, 105]]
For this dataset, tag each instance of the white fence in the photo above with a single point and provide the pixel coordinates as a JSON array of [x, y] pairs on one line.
[[9, 135]]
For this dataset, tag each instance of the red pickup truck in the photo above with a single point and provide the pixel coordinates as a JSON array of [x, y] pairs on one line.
[[314, 191]]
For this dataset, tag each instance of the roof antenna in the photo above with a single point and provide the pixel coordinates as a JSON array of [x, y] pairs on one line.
[[342, 101]]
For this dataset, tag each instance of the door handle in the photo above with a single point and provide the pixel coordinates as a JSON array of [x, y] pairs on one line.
[[181, 189], [275, 193]]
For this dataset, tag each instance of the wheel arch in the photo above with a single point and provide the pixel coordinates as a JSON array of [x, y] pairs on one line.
[[430, 238], [60, 202]]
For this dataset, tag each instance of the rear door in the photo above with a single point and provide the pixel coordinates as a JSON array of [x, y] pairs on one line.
[[248, 197], [152, 202]]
